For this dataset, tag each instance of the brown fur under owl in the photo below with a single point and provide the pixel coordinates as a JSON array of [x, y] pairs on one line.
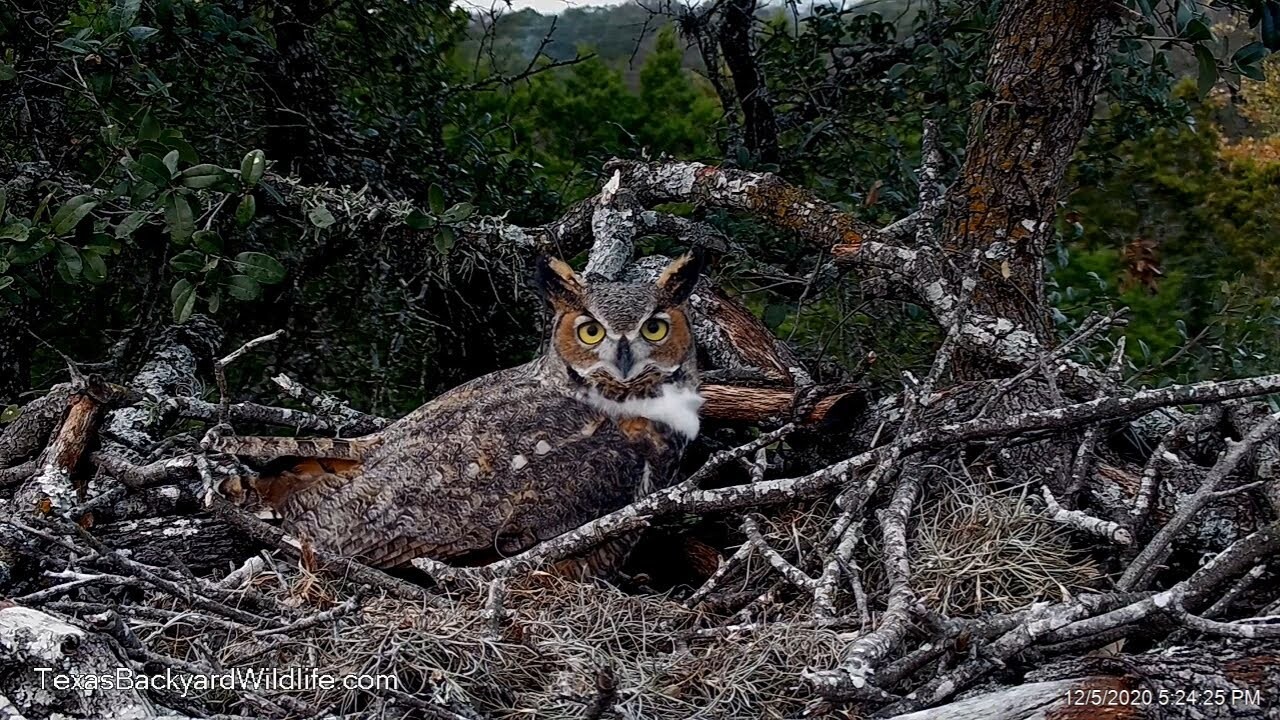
[[513, 458]]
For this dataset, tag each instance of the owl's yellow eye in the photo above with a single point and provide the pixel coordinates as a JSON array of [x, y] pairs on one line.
[[591, 332], [655, 329]]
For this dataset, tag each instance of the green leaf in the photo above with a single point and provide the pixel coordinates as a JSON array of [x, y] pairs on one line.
[[243, 287], [152, 169], [435, 199], [458, 213], [260, 267], [5, 281], [187, 261], [178, 215], [7, 72], [246, 210], [69, 262], [70, 214], [11, 412], [204, 176], [207, 240], [171, 162], [215, 301], [14, 231], [1253, 72], [320, 216], [125, 12], [1270, 25], [1208, 70], [186, 153], [774, 315], [419, 220], [4, 202], [1249, 54], [30, 252], [95, 270], [1197, 31], [138, 33], [1183, 15], [445, 239], [184, 300], [130, 224], [252, 167]]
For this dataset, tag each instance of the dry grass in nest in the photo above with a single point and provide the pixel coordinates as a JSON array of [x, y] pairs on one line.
[[978, 548], [558, 639]]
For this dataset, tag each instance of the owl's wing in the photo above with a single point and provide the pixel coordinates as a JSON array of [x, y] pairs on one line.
[[511, 467], [286, 467]]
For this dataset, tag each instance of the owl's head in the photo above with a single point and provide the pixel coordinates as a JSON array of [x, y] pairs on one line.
[[624, 340]]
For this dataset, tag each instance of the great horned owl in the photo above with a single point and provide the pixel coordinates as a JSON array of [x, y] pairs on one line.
[[513, 458]]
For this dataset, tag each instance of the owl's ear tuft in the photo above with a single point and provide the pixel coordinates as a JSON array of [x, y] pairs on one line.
[[558, 283], [677, 281]]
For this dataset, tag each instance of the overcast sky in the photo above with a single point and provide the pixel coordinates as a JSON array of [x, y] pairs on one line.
[[545, 7]]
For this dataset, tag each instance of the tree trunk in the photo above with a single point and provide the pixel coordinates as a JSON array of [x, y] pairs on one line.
[[1047, 61], [760, 127]]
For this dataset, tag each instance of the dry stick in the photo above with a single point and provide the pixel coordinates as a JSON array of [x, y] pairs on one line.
[[78, 580], [220, 371], [862, 657], [1080, 464], [139, 477], [791, 573], [192, 596], [685, 498], [1092, 325], [1193, 591], [756, 627], [1238, 629], [1087, 523], [493, 610], [347, 607], [724, 457], [984, 628], [143, 612], [1181, 434], [843, 533], [866, 651], [145, 573], [250, 412], [243, 574], [18, 473], [1040, 621], [1143, 567], [717, 577], [52, 482], [330, 406], [758, 467], [932, 191], [842, 563], [1224, 603]]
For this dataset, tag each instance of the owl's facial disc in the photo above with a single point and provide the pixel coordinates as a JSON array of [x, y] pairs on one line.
[[623, 357], [623, 339]]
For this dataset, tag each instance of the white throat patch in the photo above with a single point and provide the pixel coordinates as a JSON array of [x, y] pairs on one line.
[[675, 407]]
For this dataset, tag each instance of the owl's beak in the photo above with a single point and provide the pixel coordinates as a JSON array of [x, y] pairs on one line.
[[624, 359]]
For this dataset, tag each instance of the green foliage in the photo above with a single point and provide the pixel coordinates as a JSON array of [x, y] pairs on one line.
[[143, 194], [567, 122], [1189, 239], [91, 231]]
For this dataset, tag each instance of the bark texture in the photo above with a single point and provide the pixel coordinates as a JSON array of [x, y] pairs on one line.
[[1047, 61]]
